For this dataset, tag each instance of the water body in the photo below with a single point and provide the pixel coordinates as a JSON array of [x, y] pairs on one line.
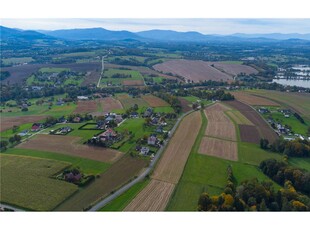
[[293, 82]]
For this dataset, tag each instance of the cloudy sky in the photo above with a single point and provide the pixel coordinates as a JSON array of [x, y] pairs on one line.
[[205, 26]]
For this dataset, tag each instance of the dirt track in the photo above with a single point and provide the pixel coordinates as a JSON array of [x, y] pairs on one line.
[[68, 145]]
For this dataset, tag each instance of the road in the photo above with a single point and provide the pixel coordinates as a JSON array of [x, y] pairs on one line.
[[102, 70], [141, 177]]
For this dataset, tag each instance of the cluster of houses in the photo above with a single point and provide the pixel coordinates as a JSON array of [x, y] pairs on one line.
[[61, 131], [108, 119], [152, 140]]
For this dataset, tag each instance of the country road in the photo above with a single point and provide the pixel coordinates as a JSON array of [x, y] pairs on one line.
[[123, 189]]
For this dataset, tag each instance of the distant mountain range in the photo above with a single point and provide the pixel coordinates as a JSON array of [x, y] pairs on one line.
[[100, 34]]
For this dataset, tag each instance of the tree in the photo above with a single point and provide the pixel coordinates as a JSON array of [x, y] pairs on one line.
[[3, 144], [264, 143], [11, 140], [17, 138], [15, 128]]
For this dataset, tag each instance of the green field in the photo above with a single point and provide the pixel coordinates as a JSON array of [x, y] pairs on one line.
[[135, 75], [166, 109], [123, 200], [53, 70], [303, 163], [86, 165], [26, 182], [14, 61], [128, 102], [191, 99], [79, 54]]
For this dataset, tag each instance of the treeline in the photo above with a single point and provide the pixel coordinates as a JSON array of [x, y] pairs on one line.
[[252, 195], [281, 172], [203, 94], [4, 75], [170, 99], [299, 118], [130, 61], [121, 75], [293, 148]]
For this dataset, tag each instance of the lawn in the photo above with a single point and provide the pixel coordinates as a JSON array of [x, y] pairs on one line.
[[191, 99], [123, 200], [303, 163], [86, 165], [9, 133], [26, 182], [130, 101]]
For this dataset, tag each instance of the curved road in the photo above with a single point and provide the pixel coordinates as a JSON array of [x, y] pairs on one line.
[[123, 189]]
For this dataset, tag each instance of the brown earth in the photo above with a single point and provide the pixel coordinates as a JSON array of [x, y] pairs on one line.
[[249, 133], [264, 129], [185, 105], [253, 100], [91, 78], [108, 104], [87, 106], [154, 197], [219, 148], [219, 125], [192, 70], [234, 69], [168, 171], [133, 82], [9, 122], [117, 175], [154, 101], [69, 145]]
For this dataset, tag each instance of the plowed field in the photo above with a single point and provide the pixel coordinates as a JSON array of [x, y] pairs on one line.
[[154, 101], [253, 100]]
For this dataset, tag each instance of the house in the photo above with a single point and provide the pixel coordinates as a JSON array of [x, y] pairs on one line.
[[23, 133], [60, 102], [152, 140], [159, 129], [35, 127], [286, 115], [71, 177], [144, 151], [65, 130], [109, 118], [148, 112], [77, 119], [154, 121], [110, 134], [263, 110], [134, 115], [118, 119]]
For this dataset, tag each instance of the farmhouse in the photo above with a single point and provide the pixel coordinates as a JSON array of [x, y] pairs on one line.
[[110, 134], [36, 127], [148, 112], [82, 98], [263, 110], [77, 119], [134, 115]]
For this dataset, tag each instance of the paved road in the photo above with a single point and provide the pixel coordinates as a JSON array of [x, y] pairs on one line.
[[141, 177]]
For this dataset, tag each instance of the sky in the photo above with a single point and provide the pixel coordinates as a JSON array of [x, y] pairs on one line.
[[203, 25]]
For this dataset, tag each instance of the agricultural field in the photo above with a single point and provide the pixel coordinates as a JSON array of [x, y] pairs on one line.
[[154, 101], [154, 197], [16, 61], [134, 78], [185, 105], [86, 165], [234, 68], [107, 105], [156, 194], [69, 145], [128, 101], [117, 175], [53, 70], [238, 118], [32, 176], [192, 70], [219, 125], [252, 99], [219, 148], [87, 106], [264, 129]]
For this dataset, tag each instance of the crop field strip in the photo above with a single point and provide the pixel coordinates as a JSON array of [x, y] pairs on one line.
[[252, 99], [26, 182], [167, 173], [220, 134], [263, 128], [86, 106], [107, 105], [117, 175], [69, 145]]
